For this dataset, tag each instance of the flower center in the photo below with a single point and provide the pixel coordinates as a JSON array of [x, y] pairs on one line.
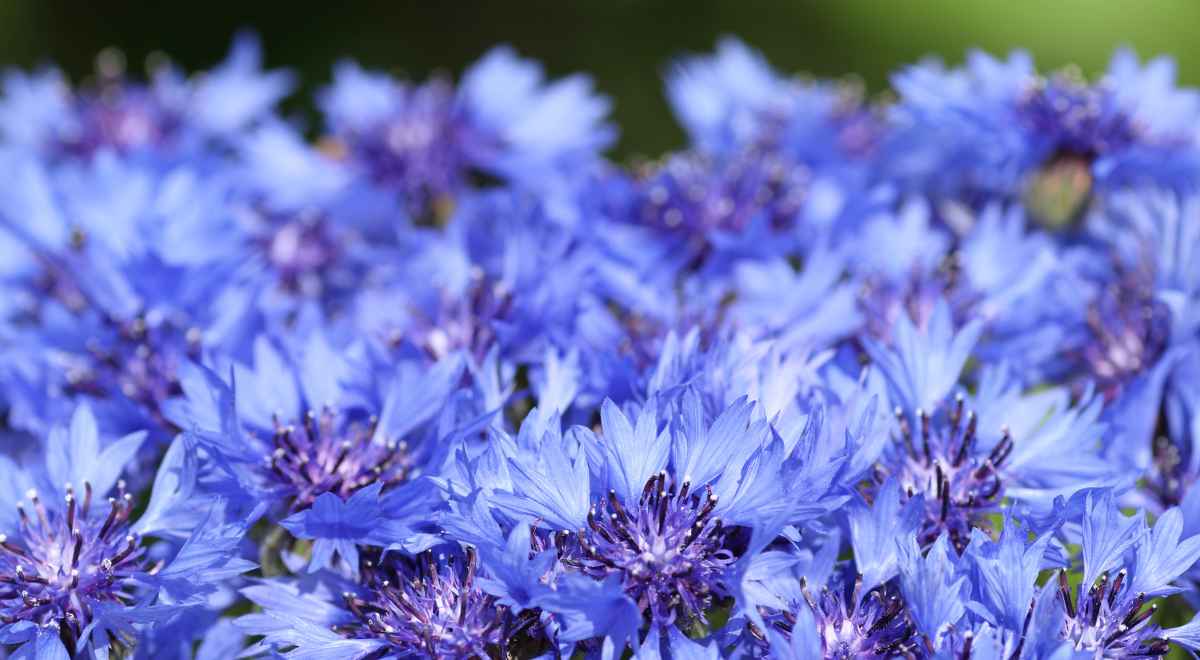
[[692, 194], [938, 460], [1077, 118], [423, 150], [462, 323], [883, 303], [302, 251], [668, 547], [66, 562], [874, 627], [1106, 619], [428, 605], [330, 454], [139, 362], [1128, 330], [121, 117]]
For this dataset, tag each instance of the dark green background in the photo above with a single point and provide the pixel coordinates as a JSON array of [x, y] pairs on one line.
[[624, 44]]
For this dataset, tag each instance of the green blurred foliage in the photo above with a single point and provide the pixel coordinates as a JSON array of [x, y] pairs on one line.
[[624, 44]]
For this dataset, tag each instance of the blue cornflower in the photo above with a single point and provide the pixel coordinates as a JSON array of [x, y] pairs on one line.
[[80, 578], [1124, 567], [1176, 454], [953, 457], [986, 266], [1002, 131], [853, 615], [507, 272], [112, 301], [426, 141], [295, 242], [1138, 318], [1106, 612], [767, 157], [911, 277], [427, 605], [167, 120], [836, 625], [734, 100], [664, 540], [798, 601], [332, 448], [659, 511]]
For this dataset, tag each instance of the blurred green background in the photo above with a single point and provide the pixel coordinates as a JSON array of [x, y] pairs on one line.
[[624, 44]]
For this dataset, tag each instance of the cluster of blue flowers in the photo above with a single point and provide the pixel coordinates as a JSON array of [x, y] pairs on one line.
[[434, 377]]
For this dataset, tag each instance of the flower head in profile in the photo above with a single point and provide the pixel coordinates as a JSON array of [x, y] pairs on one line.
[[428, 141], [165, 120], [733, 99]]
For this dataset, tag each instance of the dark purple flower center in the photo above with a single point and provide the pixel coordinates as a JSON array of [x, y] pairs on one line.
[[462, 323], [884, 303], [1106, 619], [430, 607], [136, 360], [1128, 331], [873, 627], [303, 253], [119, 116], [668, 547], [328, 453], [938, 460], [1077, 118], [425, 150], [694, 195], [66, 562]]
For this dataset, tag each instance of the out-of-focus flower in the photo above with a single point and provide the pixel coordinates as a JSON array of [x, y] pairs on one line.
[[425, 142], [167, 120]]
